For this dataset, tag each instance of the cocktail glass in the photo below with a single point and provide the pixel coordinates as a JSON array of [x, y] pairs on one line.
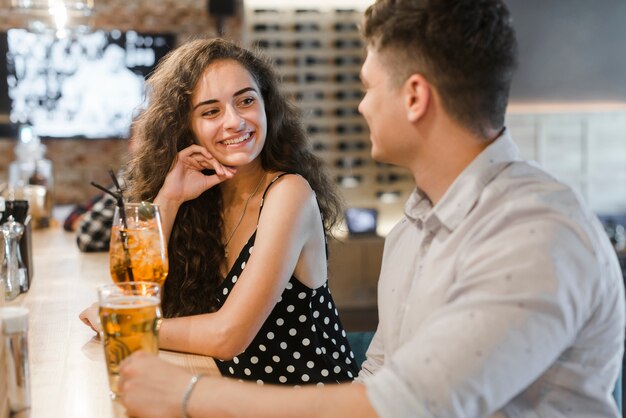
[[138, 251]]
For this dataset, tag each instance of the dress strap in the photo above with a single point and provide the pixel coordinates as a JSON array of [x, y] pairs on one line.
[[265, 192]]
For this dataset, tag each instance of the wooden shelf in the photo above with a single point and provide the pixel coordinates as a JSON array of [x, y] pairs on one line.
[[354, 266]]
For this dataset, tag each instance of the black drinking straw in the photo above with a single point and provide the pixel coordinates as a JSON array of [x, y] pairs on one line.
[[119, 198]]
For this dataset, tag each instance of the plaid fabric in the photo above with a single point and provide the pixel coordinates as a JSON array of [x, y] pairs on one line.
[[68, 223], [94, 231]]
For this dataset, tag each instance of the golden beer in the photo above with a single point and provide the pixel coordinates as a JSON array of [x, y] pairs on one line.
[[130, 317]]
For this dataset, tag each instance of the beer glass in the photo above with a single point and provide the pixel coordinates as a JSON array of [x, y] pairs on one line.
[[130, 315], [138, 251]]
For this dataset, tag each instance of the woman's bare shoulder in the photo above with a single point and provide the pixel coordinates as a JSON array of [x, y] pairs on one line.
[[289, 184]]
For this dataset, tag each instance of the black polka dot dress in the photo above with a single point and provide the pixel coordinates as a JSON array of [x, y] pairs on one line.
[[301, 342]]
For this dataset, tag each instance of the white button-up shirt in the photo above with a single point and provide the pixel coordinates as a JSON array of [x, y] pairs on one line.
[[504, 299]]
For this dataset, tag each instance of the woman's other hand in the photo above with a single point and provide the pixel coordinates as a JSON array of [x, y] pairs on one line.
[[91, 318]]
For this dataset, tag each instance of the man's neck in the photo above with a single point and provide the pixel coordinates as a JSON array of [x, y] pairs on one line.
[[444, 157]]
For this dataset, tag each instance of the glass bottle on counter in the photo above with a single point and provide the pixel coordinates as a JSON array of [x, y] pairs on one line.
[[2, 291], [16, 370], [30, 177], [13, 272]]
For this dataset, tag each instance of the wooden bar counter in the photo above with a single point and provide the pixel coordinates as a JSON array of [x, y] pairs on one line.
[[67, 369]]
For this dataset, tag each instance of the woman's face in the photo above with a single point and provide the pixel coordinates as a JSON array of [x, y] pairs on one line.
[[228, 114]]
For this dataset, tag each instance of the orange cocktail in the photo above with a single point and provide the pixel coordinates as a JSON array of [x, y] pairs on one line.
[[138, 251]]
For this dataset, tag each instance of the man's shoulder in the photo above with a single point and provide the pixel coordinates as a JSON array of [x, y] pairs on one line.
[[525, 183], [524, 193], [526, 172]]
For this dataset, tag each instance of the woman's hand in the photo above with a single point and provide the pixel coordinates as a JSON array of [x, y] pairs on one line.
[[91, 318], [185, 181], [150, 387]]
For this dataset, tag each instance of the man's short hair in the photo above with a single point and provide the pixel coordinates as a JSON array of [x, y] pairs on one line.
[[465, 48]]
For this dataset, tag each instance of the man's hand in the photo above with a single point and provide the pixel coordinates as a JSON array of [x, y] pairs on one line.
[[151, 387]]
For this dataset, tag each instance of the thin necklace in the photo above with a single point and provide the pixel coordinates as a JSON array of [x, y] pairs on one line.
[[245, 206]]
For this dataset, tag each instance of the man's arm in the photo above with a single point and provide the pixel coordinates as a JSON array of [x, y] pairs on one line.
[[375, 356], [153, 388], [236, 399]]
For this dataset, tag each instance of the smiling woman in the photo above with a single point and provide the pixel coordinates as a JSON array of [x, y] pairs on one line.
[[246, 207], [241, 114]]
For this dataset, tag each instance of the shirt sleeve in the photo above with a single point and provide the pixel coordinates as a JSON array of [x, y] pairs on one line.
[[522, 291], [94, 231], [374, 357]]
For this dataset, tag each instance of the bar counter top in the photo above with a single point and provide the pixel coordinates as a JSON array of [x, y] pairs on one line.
[[67, 369]]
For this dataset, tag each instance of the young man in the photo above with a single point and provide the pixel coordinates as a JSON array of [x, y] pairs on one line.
[[499, 293]]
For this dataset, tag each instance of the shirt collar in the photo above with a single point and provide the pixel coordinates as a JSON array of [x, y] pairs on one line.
[[464, 192]]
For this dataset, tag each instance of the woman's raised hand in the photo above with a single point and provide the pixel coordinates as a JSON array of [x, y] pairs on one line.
[[185, 181]]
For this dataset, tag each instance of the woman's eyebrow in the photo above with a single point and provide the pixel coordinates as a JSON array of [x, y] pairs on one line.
[[243, 90], [237, 93]]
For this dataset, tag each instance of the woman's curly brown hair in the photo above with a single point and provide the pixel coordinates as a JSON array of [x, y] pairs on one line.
[[163, 129]]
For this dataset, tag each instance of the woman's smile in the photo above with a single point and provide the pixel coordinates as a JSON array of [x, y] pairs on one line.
[[240, 140]]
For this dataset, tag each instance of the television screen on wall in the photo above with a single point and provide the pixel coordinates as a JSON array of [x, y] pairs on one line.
[[89, 86]]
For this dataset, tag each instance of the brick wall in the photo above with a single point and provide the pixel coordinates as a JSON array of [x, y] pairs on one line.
[[77, 162]]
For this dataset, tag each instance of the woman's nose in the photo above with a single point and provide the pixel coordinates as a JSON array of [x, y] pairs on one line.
[[234, 120]]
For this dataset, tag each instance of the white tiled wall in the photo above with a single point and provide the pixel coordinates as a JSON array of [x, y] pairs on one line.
[[585, 148]]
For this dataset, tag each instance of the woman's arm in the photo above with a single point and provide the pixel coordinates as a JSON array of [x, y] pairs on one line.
[[285, 226], [185, 181]]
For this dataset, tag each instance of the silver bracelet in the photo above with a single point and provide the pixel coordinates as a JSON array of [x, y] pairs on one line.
[[187, 395]]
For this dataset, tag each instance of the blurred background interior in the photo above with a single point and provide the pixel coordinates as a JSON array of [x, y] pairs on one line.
[[71, 75]]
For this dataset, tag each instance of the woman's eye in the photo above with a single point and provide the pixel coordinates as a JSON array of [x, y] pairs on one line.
[[247, 101], [211, 112]]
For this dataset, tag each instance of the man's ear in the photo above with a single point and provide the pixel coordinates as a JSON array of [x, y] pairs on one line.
[[417, 93]]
